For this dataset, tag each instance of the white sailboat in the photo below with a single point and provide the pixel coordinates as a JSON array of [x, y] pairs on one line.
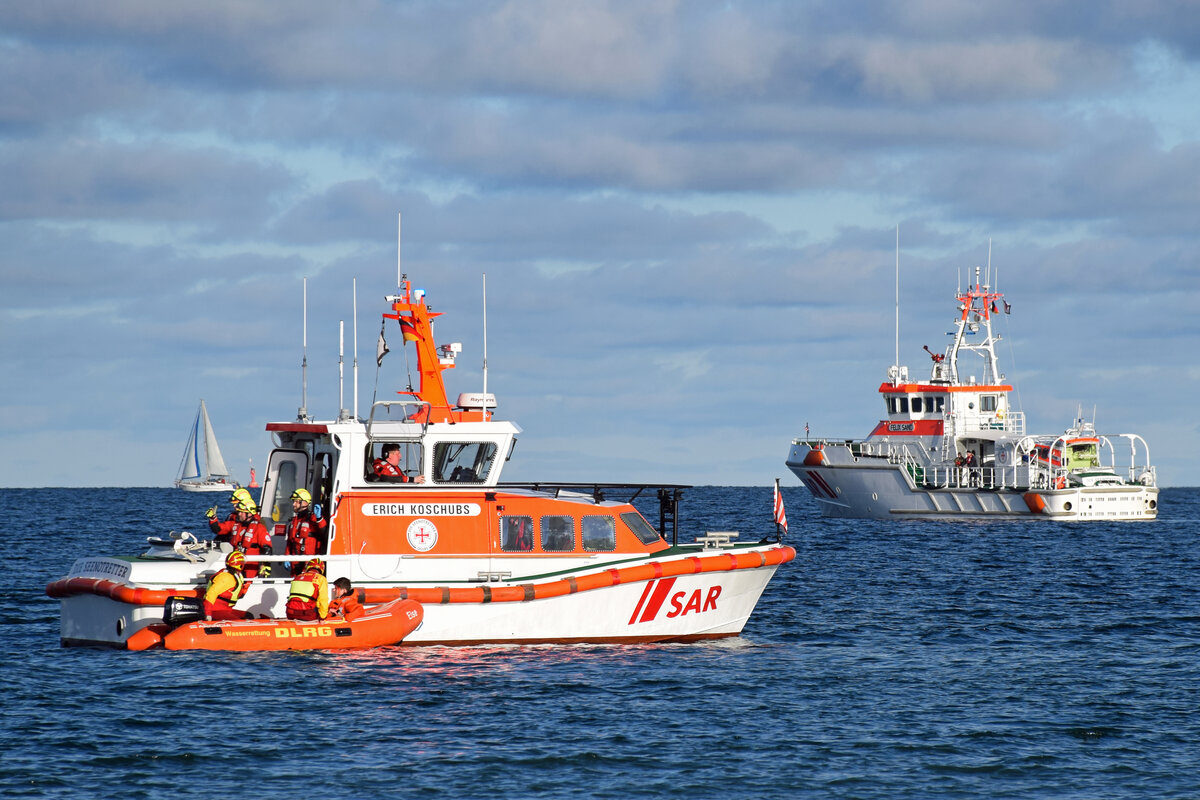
[[203, 469]]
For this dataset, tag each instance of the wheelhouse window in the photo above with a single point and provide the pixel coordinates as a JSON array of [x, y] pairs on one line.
[[903, 405], [599, 533], [516, 534], [393, 461], [916, 405], [640, 527], [989, 402], [558, 533], [463, 462]]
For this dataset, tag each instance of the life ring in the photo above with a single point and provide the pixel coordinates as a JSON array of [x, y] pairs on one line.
[[1003, 456], [1000, 414]]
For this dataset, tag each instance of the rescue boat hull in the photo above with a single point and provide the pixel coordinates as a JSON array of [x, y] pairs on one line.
[[695, 594], [387, 624]]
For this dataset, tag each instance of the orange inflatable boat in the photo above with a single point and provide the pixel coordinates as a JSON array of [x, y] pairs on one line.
[[381, 625]]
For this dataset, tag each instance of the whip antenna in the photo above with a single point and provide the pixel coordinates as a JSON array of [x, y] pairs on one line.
[[302, 412], [342, 413], [485, 411], [355, 326]]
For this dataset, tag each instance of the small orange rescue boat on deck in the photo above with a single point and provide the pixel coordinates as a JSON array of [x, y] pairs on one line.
[[381, 625]]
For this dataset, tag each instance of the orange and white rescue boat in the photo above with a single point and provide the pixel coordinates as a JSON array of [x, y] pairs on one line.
[[487, 561]]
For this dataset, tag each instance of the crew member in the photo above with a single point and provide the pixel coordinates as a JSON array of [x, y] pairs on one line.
[[306, 530], [344, 602], [225, 588], [234, 499], [308, 598], [388, 468], [246, 533]]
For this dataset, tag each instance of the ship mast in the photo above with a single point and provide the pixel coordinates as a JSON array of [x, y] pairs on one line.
[[976, 307]]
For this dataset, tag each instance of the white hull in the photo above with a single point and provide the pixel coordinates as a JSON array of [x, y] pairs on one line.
[[685, 607], [207, 486]]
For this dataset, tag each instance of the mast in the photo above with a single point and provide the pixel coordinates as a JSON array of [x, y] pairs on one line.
[[897, 361]]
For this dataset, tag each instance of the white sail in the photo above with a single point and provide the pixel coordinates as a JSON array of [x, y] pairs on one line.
[[189, 468], [212, 452]]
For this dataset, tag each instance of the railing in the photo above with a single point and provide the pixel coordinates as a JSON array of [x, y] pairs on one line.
[[1019, 477]]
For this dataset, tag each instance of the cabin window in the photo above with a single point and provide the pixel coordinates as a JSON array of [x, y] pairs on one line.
[[599, 533], [384, 459], [988, 402], [516, 533], [891, 405], [558, 534], [640, 527], [939, 404], [903, 405], [463, 462], [916, 405]]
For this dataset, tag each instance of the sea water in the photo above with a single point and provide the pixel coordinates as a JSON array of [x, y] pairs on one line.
[[889, 660]]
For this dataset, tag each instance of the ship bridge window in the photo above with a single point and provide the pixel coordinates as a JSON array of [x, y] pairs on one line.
[[916, 405], [393, 462], [516, 533], [939, 404], [640, 527], [558, 533], [463, 462], [902, 405], [989, 402], [599, 533]]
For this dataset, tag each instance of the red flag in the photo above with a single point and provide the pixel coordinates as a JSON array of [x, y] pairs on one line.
[[780, 515]]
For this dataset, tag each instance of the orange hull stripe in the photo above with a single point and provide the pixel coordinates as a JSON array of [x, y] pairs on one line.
[[722, 562]]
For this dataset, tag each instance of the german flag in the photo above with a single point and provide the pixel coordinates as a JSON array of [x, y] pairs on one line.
[[409, 330]]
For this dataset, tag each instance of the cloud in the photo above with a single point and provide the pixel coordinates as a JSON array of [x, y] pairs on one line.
[[686, 213]]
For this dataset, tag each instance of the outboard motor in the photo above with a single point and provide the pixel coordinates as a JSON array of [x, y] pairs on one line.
[[182, 610]]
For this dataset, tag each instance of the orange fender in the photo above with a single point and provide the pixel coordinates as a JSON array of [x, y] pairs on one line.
[[134, 596], [1036, 503], [148, 637]]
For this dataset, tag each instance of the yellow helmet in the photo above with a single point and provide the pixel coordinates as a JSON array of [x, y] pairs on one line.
[[239, 494], [246, 504], [236, 560], [302, 495], [315, 564]]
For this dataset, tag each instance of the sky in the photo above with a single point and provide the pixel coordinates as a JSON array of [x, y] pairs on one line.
[[694, 219]]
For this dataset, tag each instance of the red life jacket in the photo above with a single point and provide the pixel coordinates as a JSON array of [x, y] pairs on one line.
[[303, 535], [385, 469]]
